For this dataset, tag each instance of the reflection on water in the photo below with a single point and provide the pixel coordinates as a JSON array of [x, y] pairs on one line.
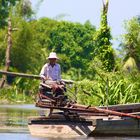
[[14, 121], [14, 117]]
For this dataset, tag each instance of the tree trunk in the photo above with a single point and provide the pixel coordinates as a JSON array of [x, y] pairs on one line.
[[7, 55]]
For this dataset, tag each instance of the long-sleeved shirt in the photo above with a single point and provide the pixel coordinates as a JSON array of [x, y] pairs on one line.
[[49, 72]]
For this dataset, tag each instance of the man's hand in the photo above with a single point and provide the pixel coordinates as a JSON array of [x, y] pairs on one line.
[[62, 82], [43, 78]]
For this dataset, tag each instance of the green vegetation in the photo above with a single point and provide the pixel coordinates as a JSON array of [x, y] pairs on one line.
[[86, 56], [102, 38], [110, 88]]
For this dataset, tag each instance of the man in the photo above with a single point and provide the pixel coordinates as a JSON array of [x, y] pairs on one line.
[[51, 70]]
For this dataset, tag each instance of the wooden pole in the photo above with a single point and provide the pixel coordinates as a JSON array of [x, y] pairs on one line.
[[82, 108], [29, 76], [14, 74], [9, 45]]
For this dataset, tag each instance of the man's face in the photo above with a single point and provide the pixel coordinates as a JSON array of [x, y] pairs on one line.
[[52, 60]]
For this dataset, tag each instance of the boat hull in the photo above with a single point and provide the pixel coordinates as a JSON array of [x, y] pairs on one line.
[[91, 126], [118, 127]]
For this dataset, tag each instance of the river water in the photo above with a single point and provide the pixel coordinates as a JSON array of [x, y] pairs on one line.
[[14, 120]]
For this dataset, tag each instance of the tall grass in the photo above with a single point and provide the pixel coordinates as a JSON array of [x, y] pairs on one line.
[[111, 88], [21, 91]]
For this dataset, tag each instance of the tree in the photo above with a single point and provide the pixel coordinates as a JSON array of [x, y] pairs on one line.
[[131, 42], [75, 41], [22, 49], [5, 6], [14, 9], [104, 50], [23, 9]]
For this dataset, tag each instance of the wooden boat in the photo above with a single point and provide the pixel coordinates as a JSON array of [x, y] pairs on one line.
[[76, 120], [73, 124]]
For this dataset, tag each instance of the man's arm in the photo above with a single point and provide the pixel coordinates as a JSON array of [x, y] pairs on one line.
[[42, 72]]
